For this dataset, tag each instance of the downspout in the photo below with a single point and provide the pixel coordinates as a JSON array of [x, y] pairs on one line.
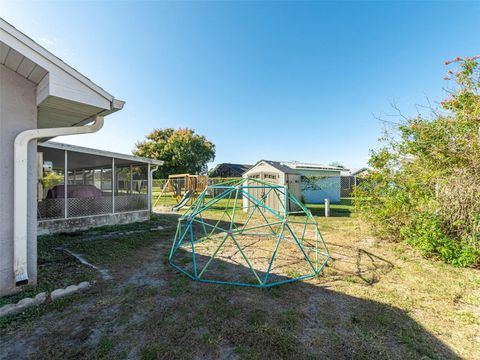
[[150, 185], [20, 190]]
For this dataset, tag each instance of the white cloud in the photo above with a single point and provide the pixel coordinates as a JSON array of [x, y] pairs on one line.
[[47, 41]]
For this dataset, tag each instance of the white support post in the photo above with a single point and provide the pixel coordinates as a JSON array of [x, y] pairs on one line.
[[149, 188], [327, 207], [65, 186], [150, 171], [131, 180], [113, 185]]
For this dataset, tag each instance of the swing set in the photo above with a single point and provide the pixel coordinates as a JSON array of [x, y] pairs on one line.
[[184, 187]]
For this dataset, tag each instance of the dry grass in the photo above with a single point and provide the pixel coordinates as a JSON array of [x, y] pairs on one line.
[[375, 300]]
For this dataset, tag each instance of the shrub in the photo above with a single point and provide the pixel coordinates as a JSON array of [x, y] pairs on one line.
[[424, 187]]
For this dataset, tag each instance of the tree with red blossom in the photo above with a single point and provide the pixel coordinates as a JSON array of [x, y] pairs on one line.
[[425, 187]]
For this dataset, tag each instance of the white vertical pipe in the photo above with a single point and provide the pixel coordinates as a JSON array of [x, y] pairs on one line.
[[131, 180], [39, 176], [20, 189], [327, 207], [114, 185], [149, 187], [65, 185], [150, 171]]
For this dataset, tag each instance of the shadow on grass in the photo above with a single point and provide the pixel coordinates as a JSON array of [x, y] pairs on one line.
[[356, 265]]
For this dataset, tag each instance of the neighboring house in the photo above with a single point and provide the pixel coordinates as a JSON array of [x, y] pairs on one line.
[[310, 183], [42, 97], [349, 179], [226, 170]]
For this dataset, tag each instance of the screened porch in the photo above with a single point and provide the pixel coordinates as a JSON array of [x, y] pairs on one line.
[[79, 182]]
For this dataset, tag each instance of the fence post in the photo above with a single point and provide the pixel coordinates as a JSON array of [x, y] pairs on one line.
[[327, 207]]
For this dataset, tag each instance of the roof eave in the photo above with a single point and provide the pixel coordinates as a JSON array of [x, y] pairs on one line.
[[47, 55]]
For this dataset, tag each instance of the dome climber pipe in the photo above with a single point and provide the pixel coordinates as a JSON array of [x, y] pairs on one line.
[[264, 236]]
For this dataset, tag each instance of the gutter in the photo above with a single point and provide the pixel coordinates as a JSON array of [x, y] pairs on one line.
[[20, 189]]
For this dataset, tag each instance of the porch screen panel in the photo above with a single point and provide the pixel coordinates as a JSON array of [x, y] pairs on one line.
[[89, 192], [131, 191], [51, 202]]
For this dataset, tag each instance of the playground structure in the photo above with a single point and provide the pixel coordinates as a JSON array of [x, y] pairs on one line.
[[184, 187], [248, 243]]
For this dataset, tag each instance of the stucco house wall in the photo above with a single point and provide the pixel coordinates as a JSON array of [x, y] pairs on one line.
[[18, 112]]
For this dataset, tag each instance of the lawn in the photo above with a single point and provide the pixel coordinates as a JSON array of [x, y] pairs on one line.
[[343, 209], [375, 300]]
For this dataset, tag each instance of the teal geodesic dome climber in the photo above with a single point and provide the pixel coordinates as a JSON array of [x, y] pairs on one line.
[[248, 233]]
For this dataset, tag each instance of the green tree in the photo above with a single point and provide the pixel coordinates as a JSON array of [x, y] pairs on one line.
[[183, 151], [424, 188]]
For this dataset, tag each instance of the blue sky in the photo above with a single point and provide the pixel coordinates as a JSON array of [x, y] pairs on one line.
[[262, 80]]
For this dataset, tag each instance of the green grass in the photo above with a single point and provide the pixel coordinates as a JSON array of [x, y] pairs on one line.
[[220, 205], [104, 348], [56, 269], [344, 209]]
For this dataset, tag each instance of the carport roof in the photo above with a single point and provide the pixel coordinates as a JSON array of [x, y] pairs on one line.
[[90, 151]]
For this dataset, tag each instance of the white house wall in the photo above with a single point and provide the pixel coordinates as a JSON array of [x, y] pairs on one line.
[[18, 112]]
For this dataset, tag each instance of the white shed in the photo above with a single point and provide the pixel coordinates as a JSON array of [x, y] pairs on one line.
[[310, 183], [276, 173]]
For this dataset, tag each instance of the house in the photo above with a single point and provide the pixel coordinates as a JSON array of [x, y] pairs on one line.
[[41, 97], [310, 183], [225, 170], [349, 179]]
